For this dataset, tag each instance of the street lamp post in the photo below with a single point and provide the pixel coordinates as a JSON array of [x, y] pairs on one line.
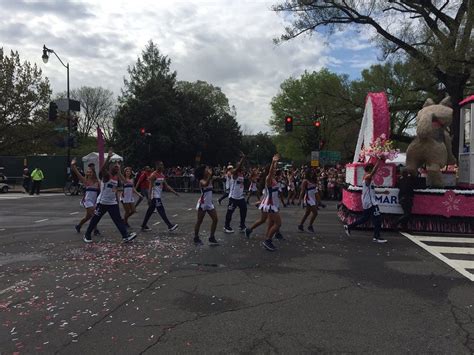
[[45, 58]]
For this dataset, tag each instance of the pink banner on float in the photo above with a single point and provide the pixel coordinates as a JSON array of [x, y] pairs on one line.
[[446, 203], [100, 146]]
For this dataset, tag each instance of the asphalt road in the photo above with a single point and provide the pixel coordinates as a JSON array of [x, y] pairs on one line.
[[319, 293]]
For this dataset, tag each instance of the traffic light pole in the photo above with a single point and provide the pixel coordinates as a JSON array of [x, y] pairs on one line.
[[68, 162], [45, 57]]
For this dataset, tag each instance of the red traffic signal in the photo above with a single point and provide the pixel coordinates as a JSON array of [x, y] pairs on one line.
[[288, 124], [142, 131], [317, 124]]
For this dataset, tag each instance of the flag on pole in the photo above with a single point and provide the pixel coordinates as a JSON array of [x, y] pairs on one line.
[[100, 146]]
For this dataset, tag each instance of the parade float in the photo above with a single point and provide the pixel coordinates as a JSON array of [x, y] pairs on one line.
[[446, 203]]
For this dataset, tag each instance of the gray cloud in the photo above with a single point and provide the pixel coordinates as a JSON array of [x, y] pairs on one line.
[[61, 8], [228, 44]]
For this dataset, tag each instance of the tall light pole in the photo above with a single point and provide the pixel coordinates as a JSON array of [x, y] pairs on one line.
[[45, 58]]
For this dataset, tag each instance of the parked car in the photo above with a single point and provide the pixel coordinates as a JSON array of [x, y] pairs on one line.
[[4, 187]]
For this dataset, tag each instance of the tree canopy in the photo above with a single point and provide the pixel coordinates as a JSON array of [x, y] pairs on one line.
[[436, 34], [24, 99], [181, 119]]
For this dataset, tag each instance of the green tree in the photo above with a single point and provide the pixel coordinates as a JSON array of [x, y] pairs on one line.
[[24, 99], [210, 126], [258, 148], [321, 96], [436, 34], [149, 100]]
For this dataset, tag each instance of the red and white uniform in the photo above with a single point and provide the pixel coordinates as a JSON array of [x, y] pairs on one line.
[[205, 201], [271, 201], [90, 197], [310, 194], [127, 195], [108, 191], [157, 188], [253, 185], [291, 184]]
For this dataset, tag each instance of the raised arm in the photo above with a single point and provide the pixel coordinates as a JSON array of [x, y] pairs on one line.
[[268, 179], [103, 168], [238, 167], [369, 176], [76, 171]]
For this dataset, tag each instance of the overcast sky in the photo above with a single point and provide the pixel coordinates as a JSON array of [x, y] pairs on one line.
[[227, 43]]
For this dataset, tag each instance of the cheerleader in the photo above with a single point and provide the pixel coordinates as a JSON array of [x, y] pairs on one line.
[[253, 191], [205, 205], [157, 183], [291, 188], [309, 191], [271, 205], [107, 201], [128, 201], [89, 200]]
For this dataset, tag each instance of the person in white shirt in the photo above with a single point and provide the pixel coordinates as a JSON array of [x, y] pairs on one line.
[[236, 198], [107, 201], [370, 206]]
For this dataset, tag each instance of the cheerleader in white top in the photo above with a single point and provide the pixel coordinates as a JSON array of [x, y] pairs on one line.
[[107, 201], [291, 188], [309, 195], [253, 190], [205, 205], [157, 184], [89, 200], [263, 211], [271, 205], [127, 198]]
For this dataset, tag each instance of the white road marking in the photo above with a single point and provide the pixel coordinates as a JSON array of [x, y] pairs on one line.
[[2, 229], [73, 213], [445, 239], [41, 220], [156, 223], [458, 265], [175, 215]]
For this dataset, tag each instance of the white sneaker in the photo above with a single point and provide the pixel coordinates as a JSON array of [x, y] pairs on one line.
[[173, 228], [228, 230], [346, 230], [379, 240]]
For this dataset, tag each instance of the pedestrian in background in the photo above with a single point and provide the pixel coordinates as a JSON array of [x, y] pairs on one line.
[[142, 184], [37, 177], [406, 184], [26, 180]]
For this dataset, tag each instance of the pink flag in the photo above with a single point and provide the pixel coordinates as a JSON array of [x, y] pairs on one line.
[[100, 146]]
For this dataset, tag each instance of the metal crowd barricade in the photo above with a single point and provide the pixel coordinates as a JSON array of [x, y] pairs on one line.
[[190, 184]]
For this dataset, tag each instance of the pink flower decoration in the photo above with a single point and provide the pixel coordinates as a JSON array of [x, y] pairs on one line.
[[380, 175]]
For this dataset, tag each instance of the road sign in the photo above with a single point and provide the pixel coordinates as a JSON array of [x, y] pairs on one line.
[[74, 105], [329, 157], [315, 158]]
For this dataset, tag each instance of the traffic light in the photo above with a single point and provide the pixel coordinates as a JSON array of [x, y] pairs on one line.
[[74, 123], [317, 124], [288, 124], [53, 111], [142, 131]]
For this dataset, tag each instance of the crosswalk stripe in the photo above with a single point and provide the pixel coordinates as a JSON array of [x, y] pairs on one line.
[[445, 239], [458, 265], [453, 250]]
